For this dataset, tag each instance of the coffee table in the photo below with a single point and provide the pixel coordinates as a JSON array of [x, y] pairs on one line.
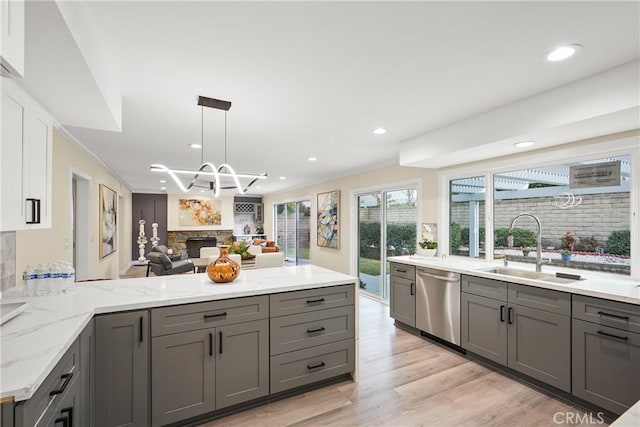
[[201, 264]]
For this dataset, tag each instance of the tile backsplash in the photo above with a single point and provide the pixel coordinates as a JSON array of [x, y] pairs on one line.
[[7, 260]]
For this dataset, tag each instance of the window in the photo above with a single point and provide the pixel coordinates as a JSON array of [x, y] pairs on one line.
[[587, 203]]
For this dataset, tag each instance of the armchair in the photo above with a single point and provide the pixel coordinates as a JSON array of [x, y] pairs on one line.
[[161, 264], [165, 250]]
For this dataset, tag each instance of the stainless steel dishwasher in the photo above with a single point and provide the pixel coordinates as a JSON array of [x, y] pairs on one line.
[[438, 303]]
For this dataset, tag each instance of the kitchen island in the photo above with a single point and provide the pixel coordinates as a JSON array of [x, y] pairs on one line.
[[36, 341]]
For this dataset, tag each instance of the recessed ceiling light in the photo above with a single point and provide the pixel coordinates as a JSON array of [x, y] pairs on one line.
[[194, 145], [163, 188], [312, 159], [380, 131], [523, 144], [283, 177], [258, 186], [562, 52], [162, 181]]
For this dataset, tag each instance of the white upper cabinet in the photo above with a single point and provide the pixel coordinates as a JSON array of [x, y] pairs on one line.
[[26, 160], [12, 21]]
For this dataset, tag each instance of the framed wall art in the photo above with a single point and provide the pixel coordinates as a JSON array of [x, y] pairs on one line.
[[108, 221], [328, 219]]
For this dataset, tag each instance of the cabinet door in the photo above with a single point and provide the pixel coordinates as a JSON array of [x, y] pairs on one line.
[[402, 301], [12, 16], [87, 374], [38, 165], [122, 366], [242, 363], [540, 345], [484, 327], [182, 376], [13, 138], [606, 366]]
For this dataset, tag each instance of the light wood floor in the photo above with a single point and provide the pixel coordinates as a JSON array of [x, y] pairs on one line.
[[408, 381]]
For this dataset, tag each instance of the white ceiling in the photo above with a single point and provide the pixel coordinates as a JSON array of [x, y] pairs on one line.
[[315, 78]]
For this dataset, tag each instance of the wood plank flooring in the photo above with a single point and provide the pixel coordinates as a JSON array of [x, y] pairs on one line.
[[406, 380]]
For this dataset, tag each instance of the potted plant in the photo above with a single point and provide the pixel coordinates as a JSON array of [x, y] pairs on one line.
[[526, 250], [567, 241], [427, 248], [241, 248]]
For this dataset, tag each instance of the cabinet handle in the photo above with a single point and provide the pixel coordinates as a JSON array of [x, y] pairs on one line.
[[412, 289], [613, 336], [63, 420], [213, 316], [602, 313], [35, 211], [141, 336], [65, 383], [210, 344], [510, 316], [313, 301], [401, 271], [317, 365], [69, 414], [311, 331], [502, 313], [220, 335]]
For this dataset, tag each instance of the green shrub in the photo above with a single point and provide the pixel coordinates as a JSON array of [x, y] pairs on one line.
[[465, 235], [586, 244], [455, 237], [521, 237], [619, 242], [401, 238]]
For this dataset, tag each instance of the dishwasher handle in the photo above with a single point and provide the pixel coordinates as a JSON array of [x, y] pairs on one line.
[[445, 278]]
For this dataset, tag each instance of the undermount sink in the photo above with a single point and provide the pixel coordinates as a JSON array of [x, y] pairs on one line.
[[546, 277]]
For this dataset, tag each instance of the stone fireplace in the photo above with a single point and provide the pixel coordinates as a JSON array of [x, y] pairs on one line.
[[177, 240]]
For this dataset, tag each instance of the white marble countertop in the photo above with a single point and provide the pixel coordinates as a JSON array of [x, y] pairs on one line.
[[631, 418], [596, 284], [32, 343]]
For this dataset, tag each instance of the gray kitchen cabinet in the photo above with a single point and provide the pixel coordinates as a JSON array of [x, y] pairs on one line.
[[484, 327], [59, 388], [242, 363], [532, 336], [87, 374], [182, 376], [539, 345], [606, 365], [122, 369], [402, 300], [67, 412]]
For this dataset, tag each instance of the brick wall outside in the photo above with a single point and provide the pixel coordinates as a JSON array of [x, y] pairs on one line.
[[598, 215]]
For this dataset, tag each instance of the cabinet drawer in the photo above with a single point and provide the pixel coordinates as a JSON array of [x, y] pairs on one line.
[[606, 371], [543, 299], [403, 270], [289, 333], [60, 379], [484, 287], [312, 300], [191, 317], [608, 313], [302, 367]]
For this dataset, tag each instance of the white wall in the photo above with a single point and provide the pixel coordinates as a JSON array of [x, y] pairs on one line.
[[340, 260], [42, 246]]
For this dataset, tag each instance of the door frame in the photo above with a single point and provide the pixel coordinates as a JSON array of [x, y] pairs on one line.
[[81, 230], [354, 211], [274, 225]]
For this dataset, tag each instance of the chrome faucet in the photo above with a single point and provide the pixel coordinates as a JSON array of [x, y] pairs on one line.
[[538, 236]]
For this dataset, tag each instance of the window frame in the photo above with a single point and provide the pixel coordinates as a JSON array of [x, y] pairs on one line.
[[573, 152]]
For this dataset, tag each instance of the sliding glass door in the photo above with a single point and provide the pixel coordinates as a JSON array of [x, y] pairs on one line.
[[387, 226], [292, 230]]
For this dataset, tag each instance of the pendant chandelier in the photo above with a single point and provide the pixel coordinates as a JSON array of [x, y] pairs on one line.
[[208, 176]]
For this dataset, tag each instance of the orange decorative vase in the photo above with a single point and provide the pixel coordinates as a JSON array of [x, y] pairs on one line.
[[223, 269]]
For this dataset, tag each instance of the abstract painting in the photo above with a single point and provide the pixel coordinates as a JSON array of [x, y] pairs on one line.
[[108, 221], [198, 212], [328, 219]]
